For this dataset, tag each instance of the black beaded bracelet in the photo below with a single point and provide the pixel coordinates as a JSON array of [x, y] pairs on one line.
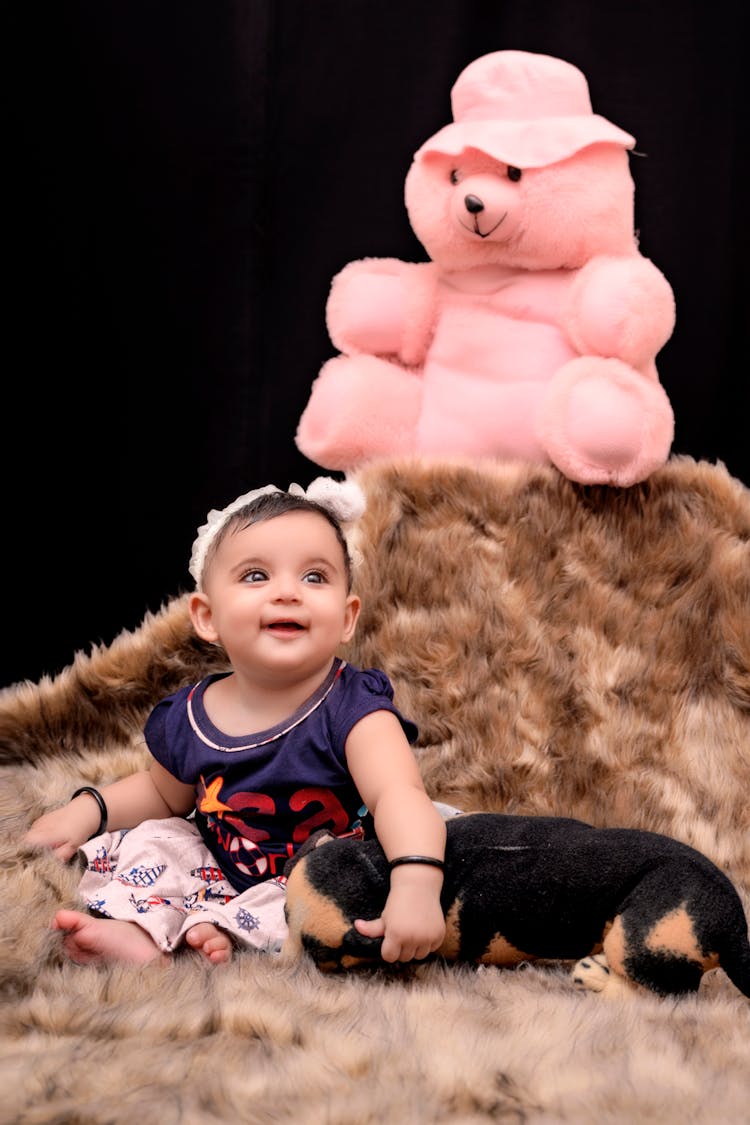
[[102, 807], [428, 859]]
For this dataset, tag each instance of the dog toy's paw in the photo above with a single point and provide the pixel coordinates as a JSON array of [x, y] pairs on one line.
[[592, 973]]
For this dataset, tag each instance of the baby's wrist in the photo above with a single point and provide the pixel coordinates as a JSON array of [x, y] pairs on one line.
[[416, 875], [411, 860], [91, 811]]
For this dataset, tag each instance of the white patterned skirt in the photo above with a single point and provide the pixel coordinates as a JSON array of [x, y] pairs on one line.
[[162, 876]]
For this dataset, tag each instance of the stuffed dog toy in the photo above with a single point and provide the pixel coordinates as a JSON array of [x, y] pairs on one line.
[[631, 907]]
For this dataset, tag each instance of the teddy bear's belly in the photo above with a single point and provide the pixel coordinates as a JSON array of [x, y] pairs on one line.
[[484, 372], [488, 343]]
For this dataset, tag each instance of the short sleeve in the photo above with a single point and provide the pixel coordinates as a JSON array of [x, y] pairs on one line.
[[365, 691], [165, 739]]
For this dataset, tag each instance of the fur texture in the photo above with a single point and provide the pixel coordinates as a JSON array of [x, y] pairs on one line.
[[566, 650]]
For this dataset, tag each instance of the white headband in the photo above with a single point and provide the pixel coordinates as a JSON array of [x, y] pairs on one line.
[[345, 501]]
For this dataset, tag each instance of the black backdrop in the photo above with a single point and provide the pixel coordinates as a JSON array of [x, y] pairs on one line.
[[186, 177]]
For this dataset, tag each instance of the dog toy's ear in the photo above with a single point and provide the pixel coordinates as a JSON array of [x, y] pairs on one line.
[[322, 836]]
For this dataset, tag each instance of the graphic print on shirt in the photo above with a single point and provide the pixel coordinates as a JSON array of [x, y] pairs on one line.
[[250, 848]]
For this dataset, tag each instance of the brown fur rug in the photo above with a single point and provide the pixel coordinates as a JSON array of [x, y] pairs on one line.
[[566, 649]]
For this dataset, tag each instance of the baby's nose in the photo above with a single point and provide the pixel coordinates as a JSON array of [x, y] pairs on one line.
[[286, 589]]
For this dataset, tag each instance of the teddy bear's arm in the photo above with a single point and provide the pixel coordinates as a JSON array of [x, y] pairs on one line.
[[621, 308], [383, 307]]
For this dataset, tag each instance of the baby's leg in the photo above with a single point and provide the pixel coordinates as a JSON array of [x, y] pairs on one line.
[[160, 877], [253, 919], [102, 940], [213, 943]]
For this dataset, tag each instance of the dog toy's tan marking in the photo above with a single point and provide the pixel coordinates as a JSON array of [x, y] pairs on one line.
[[499, 951], [674, 932], [502, 952], [452, 940], [307, 907], [614, 951]]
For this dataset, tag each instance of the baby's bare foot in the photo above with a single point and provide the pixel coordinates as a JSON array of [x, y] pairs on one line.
[[213, 943], [102, 940]]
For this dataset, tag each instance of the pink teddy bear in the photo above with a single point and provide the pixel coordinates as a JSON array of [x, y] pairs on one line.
[[532, 332]]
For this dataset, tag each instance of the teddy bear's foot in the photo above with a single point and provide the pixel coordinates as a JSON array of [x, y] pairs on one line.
[[360, 407], [602, 422], [593, 973]]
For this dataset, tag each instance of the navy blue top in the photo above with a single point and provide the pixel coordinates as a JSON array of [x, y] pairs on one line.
[[259, 796]]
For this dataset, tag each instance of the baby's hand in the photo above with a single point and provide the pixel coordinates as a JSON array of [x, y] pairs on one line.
[[412, 924], [64, 830]]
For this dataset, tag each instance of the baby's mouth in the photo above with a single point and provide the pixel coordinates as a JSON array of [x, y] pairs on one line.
[[284, 626]]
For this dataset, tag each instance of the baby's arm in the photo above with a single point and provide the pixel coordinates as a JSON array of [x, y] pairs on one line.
[[386, 774], [150, 794]]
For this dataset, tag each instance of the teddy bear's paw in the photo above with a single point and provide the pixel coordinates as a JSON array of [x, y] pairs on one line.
[[365, 309], [360, 407], [604, 423], [623, 307]]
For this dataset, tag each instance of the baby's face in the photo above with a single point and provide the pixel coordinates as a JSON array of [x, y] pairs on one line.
[[278, 595]]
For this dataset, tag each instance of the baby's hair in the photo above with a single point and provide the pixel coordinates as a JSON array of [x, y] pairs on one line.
[[268, 507]]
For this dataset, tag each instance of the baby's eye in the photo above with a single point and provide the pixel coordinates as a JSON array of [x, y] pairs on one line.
[[255, 576], [455, 176], [315, 577], [514, 174]]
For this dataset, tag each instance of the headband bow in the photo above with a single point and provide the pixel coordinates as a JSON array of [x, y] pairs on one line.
[[343, 499]]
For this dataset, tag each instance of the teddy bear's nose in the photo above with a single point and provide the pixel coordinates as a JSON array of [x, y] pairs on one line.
[[473, 204]]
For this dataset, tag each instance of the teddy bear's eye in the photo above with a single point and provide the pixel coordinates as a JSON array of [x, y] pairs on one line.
[[454, 175], [514, 174]]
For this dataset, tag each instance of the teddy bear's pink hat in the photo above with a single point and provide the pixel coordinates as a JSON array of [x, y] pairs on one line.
[[523, 109]]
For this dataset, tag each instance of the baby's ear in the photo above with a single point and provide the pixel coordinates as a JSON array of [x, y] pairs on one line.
[[353, 606], [199, 607]]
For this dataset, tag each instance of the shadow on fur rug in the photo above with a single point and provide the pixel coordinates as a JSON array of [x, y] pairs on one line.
[[581, 651]]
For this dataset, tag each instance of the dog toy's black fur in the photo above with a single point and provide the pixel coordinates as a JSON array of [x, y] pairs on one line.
[[522, 888]]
